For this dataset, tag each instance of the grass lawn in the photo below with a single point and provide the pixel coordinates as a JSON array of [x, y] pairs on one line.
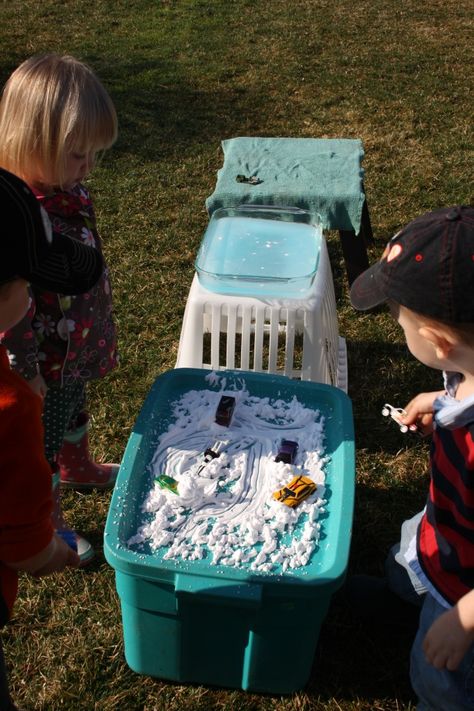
[[184, 75]]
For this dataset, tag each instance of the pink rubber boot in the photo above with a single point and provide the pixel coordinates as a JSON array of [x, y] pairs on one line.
[[76, 468]]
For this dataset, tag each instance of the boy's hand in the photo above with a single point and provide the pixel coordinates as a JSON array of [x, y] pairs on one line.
[[451, 635], [419, 411], [38, 385]]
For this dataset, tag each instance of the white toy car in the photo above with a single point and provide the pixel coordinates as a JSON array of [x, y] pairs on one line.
[[395, 413]]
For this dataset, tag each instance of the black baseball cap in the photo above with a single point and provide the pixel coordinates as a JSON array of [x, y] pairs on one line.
[[428, 267], [29, 248]]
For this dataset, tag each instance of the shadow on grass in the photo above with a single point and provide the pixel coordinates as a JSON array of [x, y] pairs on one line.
[[158, 115], [158, 118], [380, 372], [354, 659]]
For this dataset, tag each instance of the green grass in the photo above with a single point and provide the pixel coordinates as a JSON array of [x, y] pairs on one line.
[[184, 75]]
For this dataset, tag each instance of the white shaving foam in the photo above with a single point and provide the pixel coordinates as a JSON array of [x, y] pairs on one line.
[[224, 510]]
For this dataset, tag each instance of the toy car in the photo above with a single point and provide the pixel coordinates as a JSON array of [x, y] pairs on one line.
[[287, 451], [167, 482], [225, 410], [299, 488], [395, 413], [211, 453]]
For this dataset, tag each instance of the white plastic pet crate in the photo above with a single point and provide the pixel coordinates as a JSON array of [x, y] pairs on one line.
[[295, 337]]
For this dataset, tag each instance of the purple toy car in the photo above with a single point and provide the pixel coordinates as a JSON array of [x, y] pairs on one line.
[[287, 451]]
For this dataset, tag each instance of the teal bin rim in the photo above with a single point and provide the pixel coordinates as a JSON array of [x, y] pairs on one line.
[[328, 563]]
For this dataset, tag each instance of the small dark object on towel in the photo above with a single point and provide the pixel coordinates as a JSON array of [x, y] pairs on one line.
[[253, 180]]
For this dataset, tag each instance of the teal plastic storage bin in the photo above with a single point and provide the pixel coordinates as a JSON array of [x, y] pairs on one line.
[[191, 621]]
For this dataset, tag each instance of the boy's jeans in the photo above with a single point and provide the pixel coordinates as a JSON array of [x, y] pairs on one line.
[[440, 690], [436, 690], [400, 578]]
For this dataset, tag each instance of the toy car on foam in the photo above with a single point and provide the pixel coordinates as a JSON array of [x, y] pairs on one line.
[[225, 410], [299, 488], [287, 451], [167, 482]]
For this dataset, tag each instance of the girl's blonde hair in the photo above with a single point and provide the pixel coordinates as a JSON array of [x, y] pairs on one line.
[[52, 105]]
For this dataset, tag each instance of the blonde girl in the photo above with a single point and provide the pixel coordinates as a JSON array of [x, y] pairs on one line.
[[55, 119]]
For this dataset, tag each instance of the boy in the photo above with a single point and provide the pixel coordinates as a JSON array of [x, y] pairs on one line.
[[29, 252], [426, 276]]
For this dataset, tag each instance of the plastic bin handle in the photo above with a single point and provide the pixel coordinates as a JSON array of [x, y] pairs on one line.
[[224, 592]]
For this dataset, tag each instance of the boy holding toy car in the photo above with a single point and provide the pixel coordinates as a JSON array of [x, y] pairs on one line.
[[426, 277]]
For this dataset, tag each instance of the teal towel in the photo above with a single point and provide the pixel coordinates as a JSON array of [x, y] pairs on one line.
[[323, 176]]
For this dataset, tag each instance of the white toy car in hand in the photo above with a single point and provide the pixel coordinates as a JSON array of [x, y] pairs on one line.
[[395, 413]]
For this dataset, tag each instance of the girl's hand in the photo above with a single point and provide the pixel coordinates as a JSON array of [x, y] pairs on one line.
[[38, 385], [451, 635], [56, 556], [63, 557], [419, 411]]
